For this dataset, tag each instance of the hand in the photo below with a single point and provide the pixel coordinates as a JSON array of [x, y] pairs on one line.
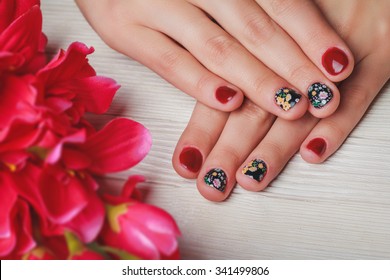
[[252, 146], [273, 51]]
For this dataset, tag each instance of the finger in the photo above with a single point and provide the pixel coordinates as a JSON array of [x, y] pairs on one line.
[[197, 140], [260, 35], [358, 92], [227, 58], [267, 160], [304, 22], [178, 66], [243, 130]]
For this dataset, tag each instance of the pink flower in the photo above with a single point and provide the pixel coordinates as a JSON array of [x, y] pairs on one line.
[[323, 95], [21, 39], [139, 230], [50, 155], [13, 9], [17, 102], [69, 84], [64, 192], [217, 183], [16, 232]]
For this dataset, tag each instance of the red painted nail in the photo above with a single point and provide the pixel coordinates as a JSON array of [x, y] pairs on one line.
[[317, 146], [191, 159], [334, 61], [225, 94]]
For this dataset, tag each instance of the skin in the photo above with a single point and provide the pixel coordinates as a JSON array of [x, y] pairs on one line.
[[254, 47], [250, 132]]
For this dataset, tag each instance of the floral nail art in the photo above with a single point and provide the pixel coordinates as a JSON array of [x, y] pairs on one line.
[[287, 98], [319, 95], [256, 169], [216, 178]]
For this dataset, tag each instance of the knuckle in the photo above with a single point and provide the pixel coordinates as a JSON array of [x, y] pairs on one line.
[[199, 128], [230, 154], [259, 29], [276, 150], [202, 84], [299, 74], [220, 47], [255, 114], [258, 83], [282, 7], [384, 33], [169, 61], [334, 127], [358, 98]]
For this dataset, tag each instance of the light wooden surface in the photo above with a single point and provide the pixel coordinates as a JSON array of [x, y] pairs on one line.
[[337, 210]]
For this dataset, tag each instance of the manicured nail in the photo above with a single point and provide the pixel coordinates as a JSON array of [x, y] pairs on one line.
[[256, 169], [319, 95], [317, 146], [287, 98], [334, 61], [216, 178], [191, 159], [225, 94]]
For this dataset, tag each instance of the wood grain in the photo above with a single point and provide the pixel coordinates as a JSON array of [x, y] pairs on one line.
[[337, 210]]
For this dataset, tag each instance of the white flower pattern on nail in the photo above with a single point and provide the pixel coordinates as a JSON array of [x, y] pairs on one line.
[[319, 95], [216, 178]]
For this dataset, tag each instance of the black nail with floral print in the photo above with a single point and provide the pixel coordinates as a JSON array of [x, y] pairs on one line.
[[319, 95], [287, 98], [216, 178], [256, 169]]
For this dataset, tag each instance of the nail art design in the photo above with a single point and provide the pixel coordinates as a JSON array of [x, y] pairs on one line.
[[287, 98], [216, 178], [319, 95], [256, 169]]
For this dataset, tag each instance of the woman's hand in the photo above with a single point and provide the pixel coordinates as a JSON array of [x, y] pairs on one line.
[[251, 146], [273, 52]]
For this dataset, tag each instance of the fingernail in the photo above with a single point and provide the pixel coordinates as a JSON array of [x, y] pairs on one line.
[[256, 169], [319, 95], [334, 61], [216, 178], [225, 94], [287, 98], [317, 146], [191, 159]]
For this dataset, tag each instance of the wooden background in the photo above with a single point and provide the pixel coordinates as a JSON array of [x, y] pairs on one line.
[[337, 210]]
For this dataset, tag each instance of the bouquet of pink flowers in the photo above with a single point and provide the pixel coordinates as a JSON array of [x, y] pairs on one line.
[[50, 155]]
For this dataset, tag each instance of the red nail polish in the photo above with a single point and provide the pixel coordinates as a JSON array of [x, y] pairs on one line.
[[317, 146], [191, 159], [334, 61], [225, 94]]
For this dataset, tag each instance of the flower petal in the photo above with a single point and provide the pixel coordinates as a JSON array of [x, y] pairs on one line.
[[22, 220], [88, 223], [8, 198], [63, 195], [121, 144], [17, 101], [7, 244], [55, 154], [142, 230], [66, 66], [129, 189], [22, 37], [156, 224], [95, 93]]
